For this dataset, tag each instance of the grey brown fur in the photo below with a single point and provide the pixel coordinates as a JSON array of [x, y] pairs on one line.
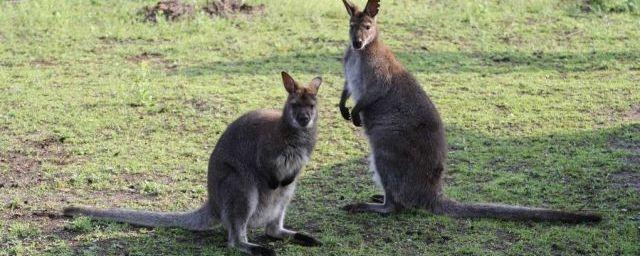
[[251, 175], [405, 132]]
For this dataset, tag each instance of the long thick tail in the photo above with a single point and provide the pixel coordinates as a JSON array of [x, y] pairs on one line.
[[453, 208], [198, 220]]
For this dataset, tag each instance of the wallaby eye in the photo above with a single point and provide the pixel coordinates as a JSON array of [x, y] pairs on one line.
[[367, 27]]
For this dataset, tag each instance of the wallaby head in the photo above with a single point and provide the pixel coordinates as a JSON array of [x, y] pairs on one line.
[[362, 24], [300, 109]]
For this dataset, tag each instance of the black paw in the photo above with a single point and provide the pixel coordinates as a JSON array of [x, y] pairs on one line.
[[262, 251], [273, 183], [377, 199], [305, 240], [288, 180], [345, 113], [355, 118]]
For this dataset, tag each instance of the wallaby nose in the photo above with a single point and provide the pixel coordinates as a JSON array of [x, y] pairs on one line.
[[303, 120], [357, 44]]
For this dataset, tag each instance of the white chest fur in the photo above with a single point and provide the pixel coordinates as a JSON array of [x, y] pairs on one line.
[[353, 74], [291, 160]]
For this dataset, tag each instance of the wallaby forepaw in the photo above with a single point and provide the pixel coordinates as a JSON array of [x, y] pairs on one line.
[[345, 113], [306, 240], [377, 198], [262, 251], [355, 118]]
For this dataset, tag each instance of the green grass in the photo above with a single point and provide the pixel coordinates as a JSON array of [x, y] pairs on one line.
[[541, 100]]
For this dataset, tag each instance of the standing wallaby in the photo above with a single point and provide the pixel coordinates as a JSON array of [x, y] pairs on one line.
[[252, 175], [406, 135]]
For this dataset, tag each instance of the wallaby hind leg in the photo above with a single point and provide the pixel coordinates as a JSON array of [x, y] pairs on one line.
[[240, 203], [275, 229]]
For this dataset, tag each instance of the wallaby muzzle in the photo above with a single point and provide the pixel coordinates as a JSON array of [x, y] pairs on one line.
[[357, 44], [303, 119]]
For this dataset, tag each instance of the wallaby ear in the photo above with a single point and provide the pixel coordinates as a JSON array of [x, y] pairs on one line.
[[351, 8], [289, 83], [372, 8], [315, 84]]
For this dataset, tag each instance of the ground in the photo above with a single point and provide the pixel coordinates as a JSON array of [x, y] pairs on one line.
[[541, 102]]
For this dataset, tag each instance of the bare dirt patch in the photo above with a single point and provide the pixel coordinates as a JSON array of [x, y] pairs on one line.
[[204, 104], [627, 179], [629, 176], [130, 40], [154, 58], [21, 200], [634, 114], [24, 165], [115, 40], [225, 8], [146, 56], [172, 10], [42, 63]]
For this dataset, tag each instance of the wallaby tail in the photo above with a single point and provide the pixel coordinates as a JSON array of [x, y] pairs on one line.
[[199, 220], [456, 209]]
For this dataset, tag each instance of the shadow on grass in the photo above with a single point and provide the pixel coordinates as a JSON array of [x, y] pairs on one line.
[[572, 171], [592, 171], [155, 241], [432, 63]]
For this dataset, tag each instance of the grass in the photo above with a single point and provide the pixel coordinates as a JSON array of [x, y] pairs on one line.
[[541, 100]]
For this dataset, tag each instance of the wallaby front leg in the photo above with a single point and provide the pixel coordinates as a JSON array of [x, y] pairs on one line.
[[343, 101], [275, 229], [364, 102], [355, 114]]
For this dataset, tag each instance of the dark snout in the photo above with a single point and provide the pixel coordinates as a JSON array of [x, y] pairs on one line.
[[357, 44], [303, 120]]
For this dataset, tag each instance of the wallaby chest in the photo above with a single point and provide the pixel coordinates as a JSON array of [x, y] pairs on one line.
[[290, 161], [353, 73]]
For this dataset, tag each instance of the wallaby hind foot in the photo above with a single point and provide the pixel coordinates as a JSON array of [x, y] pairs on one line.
[[275, 230], [368, 207], [387, 206], [377, 198]]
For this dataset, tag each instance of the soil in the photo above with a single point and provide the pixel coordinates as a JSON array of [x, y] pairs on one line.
[[227, 7], [24, 165], [634, 114], [155, 58], [42, 63], [172, 10], [629, 177]]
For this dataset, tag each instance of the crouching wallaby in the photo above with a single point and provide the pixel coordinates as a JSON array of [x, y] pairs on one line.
[[251, 177], [405, 132]]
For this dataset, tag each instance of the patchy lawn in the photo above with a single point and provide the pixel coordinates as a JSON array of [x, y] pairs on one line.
[[541, 100]]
